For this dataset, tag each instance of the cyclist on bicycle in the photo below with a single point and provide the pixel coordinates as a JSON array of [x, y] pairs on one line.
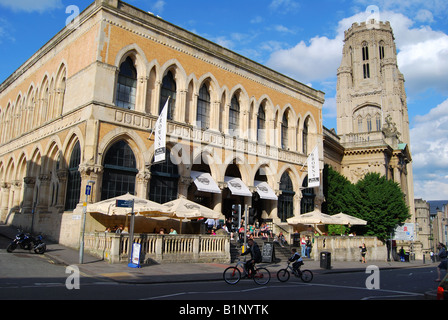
[[255, 255], [296, 258]]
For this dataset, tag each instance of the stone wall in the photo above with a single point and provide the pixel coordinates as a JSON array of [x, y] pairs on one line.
[[347, 248]]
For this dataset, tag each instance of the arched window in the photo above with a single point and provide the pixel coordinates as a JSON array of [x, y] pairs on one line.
[[378, 122], [365, 51], [308, 195], [381, 50], [120, 170], [164, 181], [261, 125], [369, 123], [168, 90], [74, 179], [284, 132], [234, 116], [203, 112], [285, 205], [126, 85], [305, 136]]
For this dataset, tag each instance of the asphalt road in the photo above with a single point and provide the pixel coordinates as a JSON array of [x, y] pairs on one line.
[[29, 276]]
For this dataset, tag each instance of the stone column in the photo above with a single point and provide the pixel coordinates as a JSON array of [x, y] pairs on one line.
[[142, 183], [44, 187], [62, 177], [184, 184], [28, 194], [5, 201]]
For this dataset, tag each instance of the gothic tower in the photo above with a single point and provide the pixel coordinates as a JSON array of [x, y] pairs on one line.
[[372, 116]]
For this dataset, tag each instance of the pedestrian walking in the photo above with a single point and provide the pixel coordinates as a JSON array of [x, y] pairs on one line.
[[443, 260], [363, 252]]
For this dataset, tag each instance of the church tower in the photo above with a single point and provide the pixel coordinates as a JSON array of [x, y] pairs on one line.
[[372, 115]]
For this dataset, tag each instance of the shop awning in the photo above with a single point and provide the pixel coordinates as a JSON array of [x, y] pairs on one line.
[[237, 187], [204, 182], [265, 191]]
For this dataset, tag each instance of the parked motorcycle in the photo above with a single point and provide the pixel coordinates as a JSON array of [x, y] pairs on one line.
[[27, 242]]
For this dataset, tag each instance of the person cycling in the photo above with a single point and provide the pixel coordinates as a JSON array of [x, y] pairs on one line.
[[296, 258], [255, 255]]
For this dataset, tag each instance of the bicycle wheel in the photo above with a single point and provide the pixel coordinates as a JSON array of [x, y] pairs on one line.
[[232, 275], [262, 276], [306, 276], [283, 275]]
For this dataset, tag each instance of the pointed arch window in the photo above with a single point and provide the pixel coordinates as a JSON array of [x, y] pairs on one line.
[[168, 89], [381, 50], [126, 85], [120, 170], [308, 195], [284, 132], [234, 115], [261, 125], [305, 136], [203, 112], [164, 181], [74, 179], [285, 205]]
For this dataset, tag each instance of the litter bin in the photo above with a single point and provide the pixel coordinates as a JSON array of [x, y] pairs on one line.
[[325, 260]]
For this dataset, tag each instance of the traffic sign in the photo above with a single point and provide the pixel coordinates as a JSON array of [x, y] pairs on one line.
[[124, 203], [88, 189]]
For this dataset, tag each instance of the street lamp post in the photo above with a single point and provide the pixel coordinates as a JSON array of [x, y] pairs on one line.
[[84, 216]]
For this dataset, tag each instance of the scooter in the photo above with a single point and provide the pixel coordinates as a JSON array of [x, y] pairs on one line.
[[27, 242]]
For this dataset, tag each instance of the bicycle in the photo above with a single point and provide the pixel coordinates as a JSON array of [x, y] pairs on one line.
[[232, 275], [284, 274]]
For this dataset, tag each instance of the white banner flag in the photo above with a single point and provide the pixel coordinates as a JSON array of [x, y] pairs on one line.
[[313, 169], [160, 135]]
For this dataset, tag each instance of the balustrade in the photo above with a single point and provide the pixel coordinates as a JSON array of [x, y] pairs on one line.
[[114, 248]]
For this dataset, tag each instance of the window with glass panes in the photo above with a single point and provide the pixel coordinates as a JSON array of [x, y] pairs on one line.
[[164, 181], [74, 179], [120, 170], [126, 85], [234, 115], [203, 111], [168, 90], [261, 125], [285, 205]]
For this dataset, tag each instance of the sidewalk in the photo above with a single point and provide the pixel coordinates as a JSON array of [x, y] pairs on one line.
[[183, 272]]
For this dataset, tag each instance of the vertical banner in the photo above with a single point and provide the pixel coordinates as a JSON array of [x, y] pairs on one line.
[[160, 135], [313, 169]]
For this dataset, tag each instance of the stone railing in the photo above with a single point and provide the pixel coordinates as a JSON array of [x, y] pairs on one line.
[[159, 248], [345, 248]]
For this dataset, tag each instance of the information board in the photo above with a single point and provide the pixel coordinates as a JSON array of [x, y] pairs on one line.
[[268, 252], [135, 258], [404, 232]]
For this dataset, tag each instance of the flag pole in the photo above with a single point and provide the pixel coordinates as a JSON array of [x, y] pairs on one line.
[[153, 129]]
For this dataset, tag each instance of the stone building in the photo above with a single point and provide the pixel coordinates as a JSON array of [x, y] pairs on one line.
[[82, 108], [372, 117]]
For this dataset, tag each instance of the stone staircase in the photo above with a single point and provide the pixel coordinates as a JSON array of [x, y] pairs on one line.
[[281, 254]]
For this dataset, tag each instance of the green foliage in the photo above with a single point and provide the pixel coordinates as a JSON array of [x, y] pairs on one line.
[[373, 198]]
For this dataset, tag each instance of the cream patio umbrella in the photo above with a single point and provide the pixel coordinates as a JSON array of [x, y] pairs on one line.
[[141, 207], [184, 208], [349, 220], [315, 217]]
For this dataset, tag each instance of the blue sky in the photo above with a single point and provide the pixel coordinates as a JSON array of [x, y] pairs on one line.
[[301, 39]]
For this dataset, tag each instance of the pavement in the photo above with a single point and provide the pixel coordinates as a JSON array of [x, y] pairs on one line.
[[185, 272]]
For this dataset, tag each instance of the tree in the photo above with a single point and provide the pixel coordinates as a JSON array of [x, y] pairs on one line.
[[339, 193], [382, 203]]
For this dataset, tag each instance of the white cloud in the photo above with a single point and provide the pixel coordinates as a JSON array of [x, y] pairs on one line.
[[429, 144], [31, 5]]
